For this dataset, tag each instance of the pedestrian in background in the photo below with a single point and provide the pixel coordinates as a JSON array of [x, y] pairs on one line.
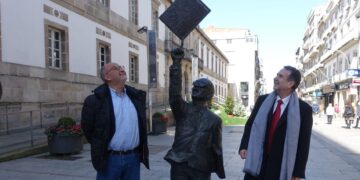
[[337, 110], [330, 113], [276, 138], [349, 114], [357, 115], [114, 123]]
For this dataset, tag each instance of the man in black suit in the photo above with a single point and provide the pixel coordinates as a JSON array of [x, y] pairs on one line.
[[277, 134]]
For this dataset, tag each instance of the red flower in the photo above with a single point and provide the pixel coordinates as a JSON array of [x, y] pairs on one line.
[[61, 130]]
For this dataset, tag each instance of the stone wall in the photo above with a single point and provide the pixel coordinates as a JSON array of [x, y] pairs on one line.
[[57, 93]]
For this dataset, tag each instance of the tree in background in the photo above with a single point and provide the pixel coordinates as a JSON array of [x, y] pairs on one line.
[[229, 105]]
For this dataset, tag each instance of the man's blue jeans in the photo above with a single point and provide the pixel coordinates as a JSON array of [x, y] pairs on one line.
[[121, 167]]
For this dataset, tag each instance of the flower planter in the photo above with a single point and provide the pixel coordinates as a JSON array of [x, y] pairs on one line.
[[159, 127], [65, 144], [230, 115]]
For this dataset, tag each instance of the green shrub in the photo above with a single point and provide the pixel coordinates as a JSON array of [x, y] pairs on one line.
[[66, 122], [229, 105], [157, 115]]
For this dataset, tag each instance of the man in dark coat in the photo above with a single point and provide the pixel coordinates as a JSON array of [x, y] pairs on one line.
[[197, 148], [114, 123], [277, 134]]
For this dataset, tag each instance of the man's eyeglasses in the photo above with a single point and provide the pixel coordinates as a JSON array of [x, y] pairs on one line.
[[117, 68]]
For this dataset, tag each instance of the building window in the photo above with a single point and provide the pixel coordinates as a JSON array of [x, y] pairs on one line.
[[133, 68], [212, 61], [207, 57], [104, 2], [103, 55], [56, 46], [244, 87], [133, 11], [340, 68], [355, 53], [217, 65], [202, 51]]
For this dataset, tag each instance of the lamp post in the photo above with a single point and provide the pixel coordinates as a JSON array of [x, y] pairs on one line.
[[151, 64], [342, 53]]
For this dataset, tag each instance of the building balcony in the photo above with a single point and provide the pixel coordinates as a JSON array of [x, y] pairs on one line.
[[313, 69], [326, 55], [348, 39], [313, 52], [345, 75], [314, 87]]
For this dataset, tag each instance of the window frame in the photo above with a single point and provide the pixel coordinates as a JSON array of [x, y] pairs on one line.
[[63, 46], [134, 11], [134, 75], [107, 55]]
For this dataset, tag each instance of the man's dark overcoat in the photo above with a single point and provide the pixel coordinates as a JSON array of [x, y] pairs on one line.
[[98, 123], [271, 165]]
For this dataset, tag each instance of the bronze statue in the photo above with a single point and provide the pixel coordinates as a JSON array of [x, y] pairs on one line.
[[197, 148]]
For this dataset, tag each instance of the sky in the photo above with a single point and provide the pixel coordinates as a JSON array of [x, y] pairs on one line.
[[279, 25]]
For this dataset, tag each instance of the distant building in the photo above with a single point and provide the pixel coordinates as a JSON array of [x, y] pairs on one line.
[[329, 54], [240, 46]]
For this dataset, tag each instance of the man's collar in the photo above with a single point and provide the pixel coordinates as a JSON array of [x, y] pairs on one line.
[[284, 100], [117, 93]]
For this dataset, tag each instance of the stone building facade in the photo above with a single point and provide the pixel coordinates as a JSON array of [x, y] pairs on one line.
[[51, 51], [240, 46]]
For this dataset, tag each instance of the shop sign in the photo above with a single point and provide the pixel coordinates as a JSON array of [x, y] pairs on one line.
[[328, 88], [354, 72], [344, 86], [356, 81]]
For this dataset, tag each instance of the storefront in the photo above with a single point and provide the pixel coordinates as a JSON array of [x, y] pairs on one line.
[[328, 92], [344, 93]]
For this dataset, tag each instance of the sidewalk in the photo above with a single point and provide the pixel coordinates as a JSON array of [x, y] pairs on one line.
[[334, 155]]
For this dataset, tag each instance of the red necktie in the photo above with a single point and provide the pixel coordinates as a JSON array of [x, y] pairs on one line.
[[274, 121]]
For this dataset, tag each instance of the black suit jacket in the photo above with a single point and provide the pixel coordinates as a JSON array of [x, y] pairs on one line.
[[271, 165]]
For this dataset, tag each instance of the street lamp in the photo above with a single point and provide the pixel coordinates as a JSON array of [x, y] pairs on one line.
[[151, 63]]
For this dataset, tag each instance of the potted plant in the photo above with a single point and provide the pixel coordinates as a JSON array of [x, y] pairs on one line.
[[65, 137], [159, 122]]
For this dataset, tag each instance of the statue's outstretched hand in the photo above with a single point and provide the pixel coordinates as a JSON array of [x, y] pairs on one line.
[[176, 55]]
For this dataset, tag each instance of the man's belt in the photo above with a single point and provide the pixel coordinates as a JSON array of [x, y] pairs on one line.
[[131, 151]]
